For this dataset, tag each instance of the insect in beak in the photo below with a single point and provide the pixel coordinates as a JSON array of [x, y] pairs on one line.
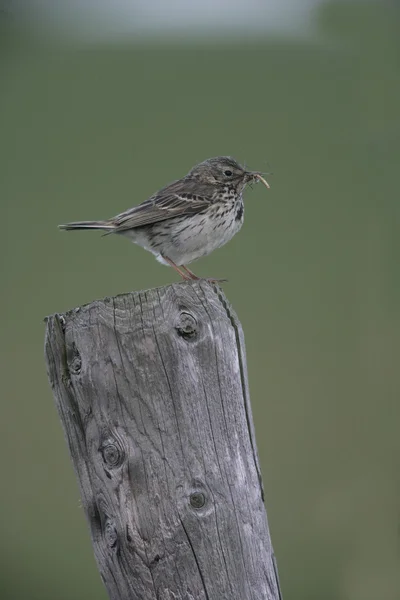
[[261, 178]]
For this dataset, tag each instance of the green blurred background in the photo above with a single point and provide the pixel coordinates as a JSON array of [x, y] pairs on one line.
[[88, 131]]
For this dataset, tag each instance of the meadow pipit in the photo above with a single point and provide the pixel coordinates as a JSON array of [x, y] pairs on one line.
[[188, 218]]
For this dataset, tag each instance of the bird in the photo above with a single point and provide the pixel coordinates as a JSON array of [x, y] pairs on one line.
[[188, 218]]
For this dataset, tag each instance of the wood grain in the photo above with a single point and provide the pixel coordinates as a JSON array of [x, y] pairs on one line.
[[152, 392]]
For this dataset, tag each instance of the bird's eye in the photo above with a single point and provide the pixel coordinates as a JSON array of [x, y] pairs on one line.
[[228, 173]]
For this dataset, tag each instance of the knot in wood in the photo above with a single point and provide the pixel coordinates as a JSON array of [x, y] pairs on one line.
[[76, 365], [187, 325], [111, 454], [110, 534], [197, 500], [74, 359]]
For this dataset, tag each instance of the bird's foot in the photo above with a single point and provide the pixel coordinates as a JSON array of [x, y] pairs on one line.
[[215, 280]]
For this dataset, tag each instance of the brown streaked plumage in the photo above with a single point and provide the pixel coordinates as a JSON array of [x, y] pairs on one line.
[[188, 218]]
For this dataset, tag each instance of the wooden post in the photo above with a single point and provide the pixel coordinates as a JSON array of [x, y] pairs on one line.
[[152, 392]]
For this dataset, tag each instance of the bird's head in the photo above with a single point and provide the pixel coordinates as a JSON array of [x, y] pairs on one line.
[[224, 170]]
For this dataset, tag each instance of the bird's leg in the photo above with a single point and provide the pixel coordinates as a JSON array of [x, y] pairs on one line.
[[190, 273], [174, 266], [187, 274]]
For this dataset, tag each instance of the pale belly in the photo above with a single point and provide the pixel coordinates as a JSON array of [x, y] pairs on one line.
[[184, 240]]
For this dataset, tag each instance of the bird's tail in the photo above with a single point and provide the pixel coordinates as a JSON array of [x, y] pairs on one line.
[[104, 225]]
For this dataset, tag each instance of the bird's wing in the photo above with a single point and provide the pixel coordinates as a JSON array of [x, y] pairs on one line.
[[164, 205]]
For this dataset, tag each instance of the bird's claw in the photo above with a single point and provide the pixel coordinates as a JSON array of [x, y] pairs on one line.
[[216, 280]]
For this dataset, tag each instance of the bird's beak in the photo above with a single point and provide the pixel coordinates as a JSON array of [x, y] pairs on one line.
[[257, 176]]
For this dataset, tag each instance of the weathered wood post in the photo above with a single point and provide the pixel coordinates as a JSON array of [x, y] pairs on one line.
[[152, 392]]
